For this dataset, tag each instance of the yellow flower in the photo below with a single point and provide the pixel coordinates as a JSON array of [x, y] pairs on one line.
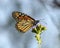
[[38, 30]]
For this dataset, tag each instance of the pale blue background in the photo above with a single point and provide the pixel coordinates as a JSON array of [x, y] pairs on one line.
[[44, 10]]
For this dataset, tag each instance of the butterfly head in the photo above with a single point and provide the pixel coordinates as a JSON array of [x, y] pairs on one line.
[[36, 21]]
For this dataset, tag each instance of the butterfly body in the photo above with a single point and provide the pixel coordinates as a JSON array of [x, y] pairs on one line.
[[24, 22]]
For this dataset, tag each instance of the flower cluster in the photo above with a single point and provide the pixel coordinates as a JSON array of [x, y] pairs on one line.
[[38, 30]]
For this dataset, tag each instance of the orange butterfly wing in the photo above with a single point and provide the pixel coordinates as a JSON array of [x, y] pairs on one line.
[[24, 22]]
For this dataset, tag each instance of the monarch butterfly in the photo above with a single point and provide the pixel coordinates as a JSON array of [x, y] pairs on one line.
[[24, 22]]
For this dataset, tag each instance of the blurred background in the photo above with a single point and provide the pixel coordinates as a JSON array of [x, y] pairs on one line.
[[46, 11]]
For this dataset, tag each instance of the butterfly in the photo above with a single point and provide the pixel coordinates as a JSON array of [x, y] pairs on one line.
[[24, 21]]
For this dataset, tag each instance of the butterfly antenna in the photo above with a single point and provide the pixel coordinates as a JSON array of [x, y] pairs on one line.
[[43, 20]]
